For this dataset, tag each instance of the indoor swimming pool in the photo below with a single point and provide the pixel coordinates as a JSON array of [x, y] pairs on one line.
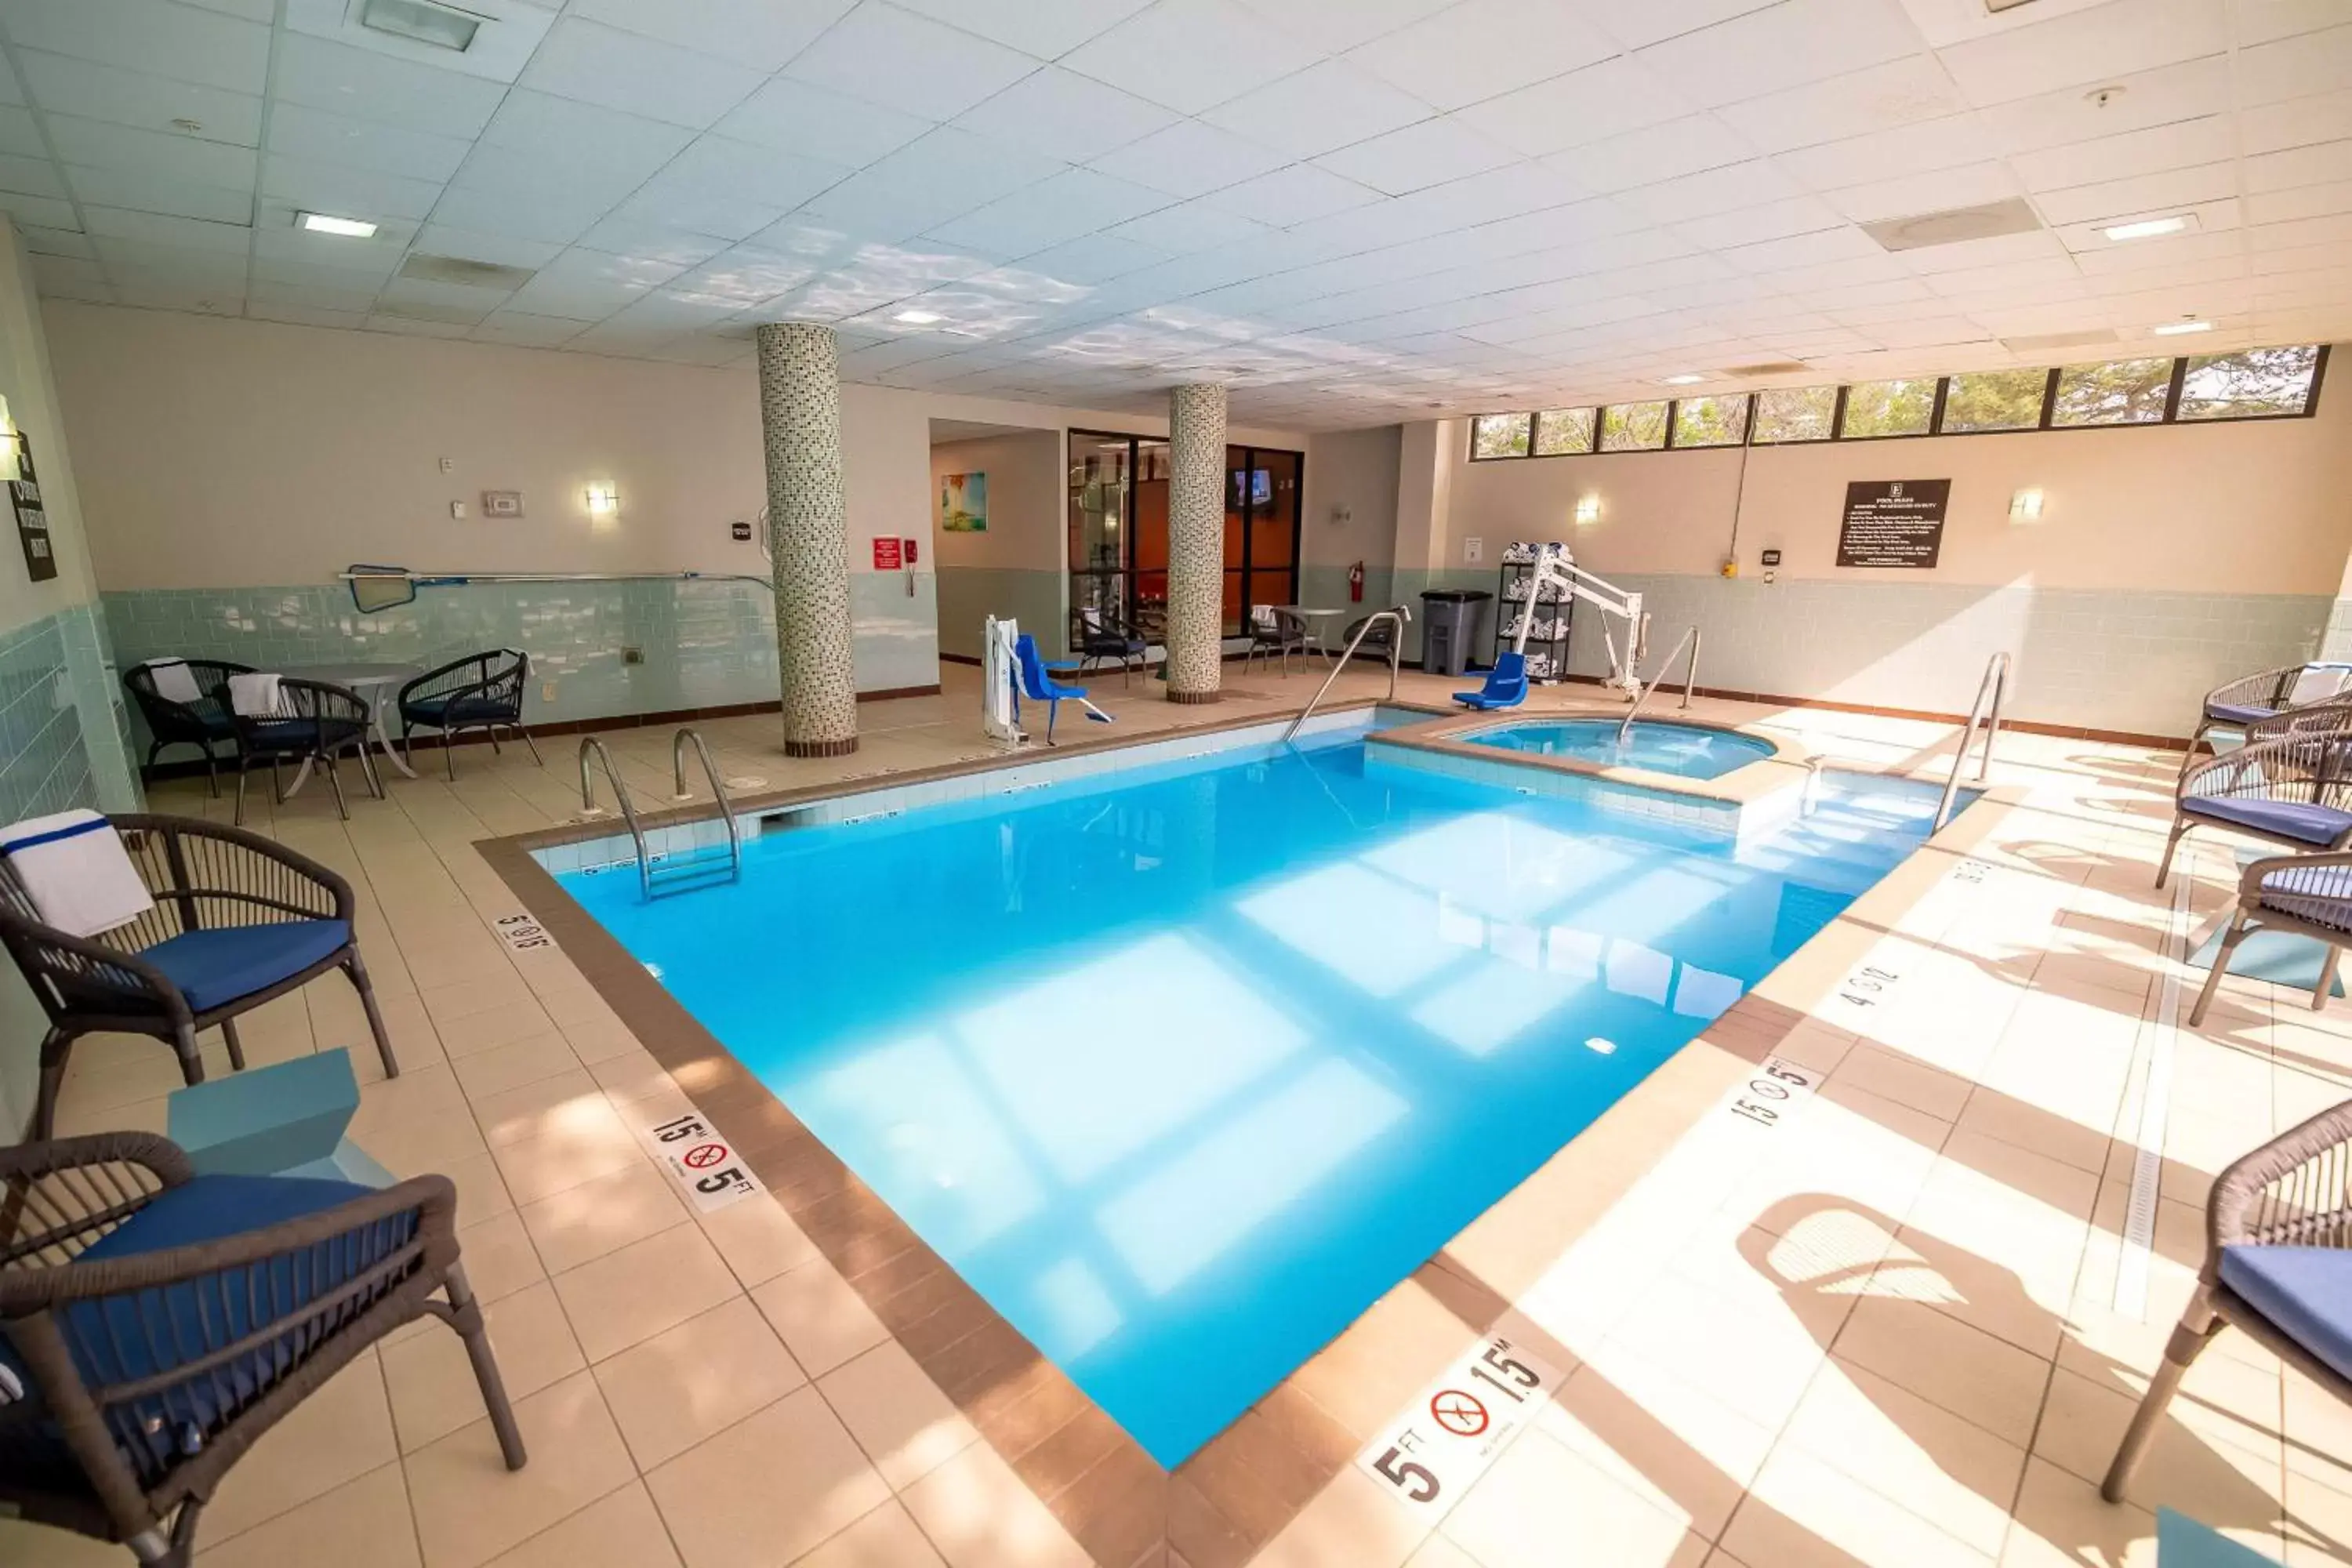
[[1184, 1065], [1659, 746]]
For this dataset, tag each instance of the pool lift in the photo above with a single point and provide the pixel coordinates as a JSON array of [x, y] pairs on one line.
[[1012, 669], [1506, 683]]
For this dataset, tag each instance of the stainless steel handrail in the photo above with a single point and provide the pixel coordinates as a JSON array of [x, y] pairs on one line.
[[1690, 680], [1994, 684], [590, 744], [717, 791], [1396, 618]]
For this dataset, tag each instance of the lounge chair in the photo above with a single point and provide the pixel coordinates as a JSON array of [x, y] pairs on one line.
[[237, 919], [154, 1323], [1272, 632], [2309, 895], [2278, 1267], [2296, 792], [480, 692], [1507, 685], [1038, 685], [1103, 635], [201, 722], [2236, 704], [314, 722]]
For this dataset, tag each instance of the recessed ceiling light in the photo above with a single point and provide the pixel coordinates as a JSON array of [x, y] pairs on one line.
[[2149, 229], [2175, 328], [349, 228], [919, 318], [421, 21], [1684, 380]]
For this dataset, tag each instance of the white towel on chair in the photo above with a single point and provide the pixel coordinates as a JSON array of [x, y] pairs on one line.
[[255, 696], [174, 681], [79, 876]]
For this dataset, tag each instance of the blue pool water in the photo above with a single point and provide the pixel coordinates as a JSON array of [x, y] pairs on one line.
[[1688, 751], [1182, 1066]]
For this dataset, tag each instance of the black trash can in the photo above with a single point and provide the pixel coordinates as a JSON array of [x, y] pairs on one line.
[[1449, 623]]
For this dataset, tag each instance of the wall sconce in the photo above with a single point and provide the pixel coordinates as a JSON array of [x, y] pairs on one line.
[[604, 499], [12, 446], [1587, 509], [2025, 506]]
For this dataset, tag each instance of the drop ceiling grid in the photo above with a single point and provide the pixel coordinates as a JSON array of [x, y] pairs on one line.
[[1351, 210]]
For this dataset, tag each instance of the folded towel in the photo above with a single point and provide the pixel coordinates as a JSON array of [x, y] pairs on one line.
[[77, 871], [255, 696], [174, 681]]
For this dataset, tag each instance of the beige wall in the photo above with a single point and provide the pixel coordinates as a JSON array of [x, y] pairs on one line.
[[1354, 471], [2253, 507], [1014, 569]]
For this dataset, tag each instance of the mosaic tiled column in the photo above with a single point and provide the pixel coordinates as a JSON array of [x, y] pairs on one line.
[[1196, 542], [808, 529]]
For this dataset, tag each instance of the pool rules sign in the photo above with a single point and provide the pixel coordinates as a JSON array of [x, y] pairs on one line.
[[1454, 1429], [1894, 522]]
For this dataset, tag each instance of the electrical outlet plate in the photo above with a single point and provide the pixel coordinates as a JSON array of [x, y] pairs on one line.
[[547, 691]]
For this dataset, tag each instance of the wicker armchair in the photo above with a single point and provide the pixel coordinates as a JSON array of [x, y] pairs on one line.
[[2309, 895], [480, 692], [237, 920], [1103, 636], [204, 723], [314, 722], [154, 1323], [2296, 790], [2235, 704], [2278, 1265]]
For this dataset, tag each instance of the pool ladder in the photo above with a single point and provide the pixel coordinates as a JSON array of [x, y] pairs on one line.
[[685, 868], [1995, 685], [1396, 618]]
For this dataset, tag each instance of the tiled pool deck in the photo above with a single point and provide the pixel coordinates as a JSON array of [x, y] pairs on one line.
[[1884, 1332]]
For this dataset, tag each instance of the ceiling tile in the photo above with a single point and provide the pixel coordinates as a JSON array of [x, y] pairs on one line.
[[944, 175], [369, 86], [1808, 250], [1867, 102], [1752, 225], [524, 330], [1045, 29], [2301, 202], [1320, 109], [715, 172], [1968, 185], [1889, 156], [1073, 203], [1667, 150], [1291, 196], [1192, 55], [595, 64], [2119, 199], [2177, 146], [2086, 47], [577, 148], [2190, 90], [140, 190], [798, 117], [64, 85], [501, 250], [175, 41], [1419, 156], [932, 70], [1339, 24], [1715, 190], [1189, 158], [1481, 49], [2317, 164], [1061, 114], [1190, 226], [2291, 67], [759, 34], [555, 215], [31, 177], [1602, 101], [1094, 259], [676, 248], [339, 189], [304, 132], [101, 143], [1635, 27], [20, 134], [1782, 46]]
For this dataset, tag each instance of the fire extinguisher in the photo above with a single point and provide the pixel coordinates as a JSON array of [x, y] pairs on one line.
[[1356, 583]]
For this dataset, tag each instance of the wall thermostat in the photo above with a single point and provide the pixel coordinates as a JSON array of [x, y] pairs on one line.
[[742, 531], [501, 503], [1771, 558]]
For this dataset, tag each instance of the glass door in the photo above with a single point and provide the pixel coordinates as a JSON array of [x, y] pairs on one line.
[[1119, 528]]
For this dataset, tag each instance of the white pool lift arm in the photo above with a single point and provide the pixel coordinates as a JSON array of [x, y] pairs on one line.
[[1556, 567]]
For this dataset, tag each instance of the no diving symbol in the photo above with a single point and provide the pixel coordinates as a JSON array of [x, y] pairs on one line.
[[702, 1156], [1458, 1412]]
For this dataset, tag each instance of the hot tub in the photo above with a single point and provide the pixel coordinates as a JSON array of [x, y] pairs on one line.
[[1658, 746]]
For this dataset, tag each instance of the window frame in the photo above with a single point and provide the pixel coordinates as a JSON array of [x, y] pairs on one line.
[[1935, 431]]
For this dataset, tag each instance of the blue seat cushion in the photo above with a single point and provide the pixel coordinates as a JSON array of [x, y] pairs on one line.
[[443, 710], [2305, 1291], [217, 966], [142, 1333], [2237, 713], [283, 735], [2304, 821]]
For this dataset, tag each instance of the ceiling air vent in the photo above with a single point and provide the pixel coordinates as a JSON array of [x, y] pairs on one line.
[[1770, 367], [2038, 342], [1954, 224], [425, 269]]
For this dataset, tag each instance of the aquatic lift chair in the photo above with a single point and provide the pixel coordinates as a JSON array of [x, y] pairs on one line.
[[1506, 683], [1014, 669]]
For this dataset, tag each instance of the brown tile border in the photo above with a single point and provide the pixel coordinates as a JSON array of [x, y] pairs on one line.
[[1742, 785], [2024, 726], [1223, 1504]]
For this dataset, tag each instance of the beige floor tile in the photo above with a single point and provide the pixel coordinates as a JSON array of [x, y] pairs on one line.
[[633, 1074], [2063, 1522], [887, 1538], [757, 1239], [1660, 1437], [470, 1507], [498, 1257], [601, 1216], [704, 1376], [1957, 1477], [367, 1520], [768, 1488], [821, 1316], [472, 1034], [1964, 1370], [23, 1545], [906, 1426], [632, 1294], [979, 1514], [1352, 1523], [592, 1142], [1439, 1552], [2222, 1483], [336, 1435], [531, 1109], [432, 1383], [511, 1066], [1802, 1513], [622, 1530], [1538, 1495]]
